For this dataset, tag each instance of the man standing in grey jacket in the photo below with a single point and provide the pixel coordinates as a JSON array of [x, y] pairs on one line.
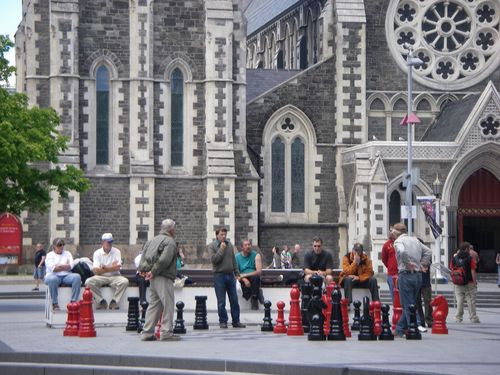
[[225, 271], [413, 258], [159, 267]]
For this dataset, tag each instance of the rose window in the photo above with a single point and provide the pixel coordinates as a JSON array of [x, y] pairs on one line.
[[458, 40], [490, 126]]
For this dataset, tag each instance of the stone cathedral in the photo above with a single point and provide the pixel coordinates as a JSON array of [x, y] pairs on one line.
[[279, 119]]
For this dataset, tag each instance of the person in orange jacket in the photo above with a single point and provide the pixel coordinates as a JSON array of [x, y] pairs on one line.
[[357, 272]]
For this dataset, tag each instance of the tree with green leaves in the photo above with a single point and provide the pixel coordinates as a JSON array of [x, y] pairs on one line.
[[30, 144]]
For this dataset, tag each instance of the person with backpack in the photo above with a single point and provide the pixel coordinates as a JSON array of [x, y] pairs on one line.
[[463, 274]]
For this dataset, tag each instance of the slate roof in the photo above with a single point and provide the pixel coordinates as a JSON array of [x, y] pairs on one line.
[[261, 12], [261, 80], [451, 119]]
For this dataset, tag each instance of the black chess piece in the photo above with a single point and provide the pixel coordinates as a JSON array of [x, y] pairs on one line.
[[200, 313], [413, 332], [305, 292], [133, 314], [144, 306], [179, 327], [315, 311], [357, 316], [336, 323], [268, 321], [386, 334], [366, 323]]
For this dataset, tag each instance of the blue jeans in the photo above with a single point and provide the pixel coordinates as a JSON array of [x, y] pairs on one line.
[[54, 281], [409, 290], [226, 283], [390, 282], [499, 275]]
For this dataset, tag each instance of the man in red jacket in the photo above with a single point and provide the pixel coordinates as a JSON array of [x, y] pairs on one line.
[[389, 260]]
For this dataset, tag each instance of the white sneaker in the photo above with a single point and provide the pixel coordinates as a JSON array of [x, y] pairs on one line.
[[422, 329]]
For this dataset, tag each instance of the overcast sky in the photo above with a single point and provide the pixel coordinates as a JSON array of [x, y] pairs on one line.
[[10, 16]]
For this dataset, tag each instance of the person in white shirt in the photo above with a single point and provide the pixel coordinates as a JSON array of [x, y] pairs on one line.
[[58, 263], [107, 265]]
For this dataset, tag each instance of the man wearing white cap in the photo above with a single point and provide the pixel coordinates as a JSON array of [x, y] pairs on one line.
[[107, 265]]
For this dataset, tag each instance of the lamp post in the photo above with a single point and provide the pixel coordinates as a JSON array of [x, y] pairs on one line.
[[436, 189], [410, 119]]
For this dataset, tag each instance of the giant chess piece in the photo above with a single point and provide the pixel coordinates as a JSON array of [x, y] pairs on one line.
[[280, 326], [344, 303], [439, 315], [397, 310], [413, 332], [268, 322], [327, 311], [200, 313], [315, 311], [377, 320], [357, 316], [133, 314], [386, 334], [73, 317], [294, 317], [366, 324], [86, 324], [179, 327], [144, 307], [336, 326], [306, 292]]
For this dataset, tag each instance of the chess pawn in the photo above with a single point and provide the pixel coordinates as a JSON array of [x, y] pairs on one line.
[[268, 322], [386, 334], [413, 332], [294, 317], [86, 323], [357, 318], [72, 321], [179, 327], [280, 326], [336, 327]]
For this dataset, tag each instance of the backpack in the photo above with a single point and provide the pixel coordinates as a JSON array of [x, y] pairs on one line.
[[83, 270], [458, 273]]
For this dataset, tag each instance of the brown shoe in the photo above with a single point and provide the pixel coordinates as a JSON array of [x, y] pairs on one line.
[[223, 325], [103, 305], [55, 307], [239, 325], [113, 305]]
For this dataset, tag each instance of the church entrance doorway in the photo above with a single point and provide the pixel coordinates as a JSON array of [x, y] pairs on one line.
[[479, 217]]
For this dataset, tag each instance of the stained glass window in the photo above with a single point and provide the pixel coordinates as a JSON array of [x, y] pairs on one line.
[[177, 119], [102, 116], [278, 176], [297, 173]]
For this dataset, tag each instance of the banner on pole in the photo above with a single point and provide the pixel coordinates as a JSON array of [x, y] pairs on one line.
[[427, 204]]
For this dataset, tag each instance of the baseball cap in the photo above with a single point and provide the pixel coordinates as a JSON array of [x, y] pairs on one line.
[[108, 237]]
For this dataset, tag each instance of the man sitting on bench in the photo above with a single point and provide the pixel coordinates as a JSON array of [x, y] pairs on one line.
[[318, 262], [250, 268], [357, 272]]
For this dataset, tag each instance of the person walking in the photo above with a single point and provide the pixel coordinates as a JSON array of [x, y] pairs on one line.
[[158, 265], [39, 272]]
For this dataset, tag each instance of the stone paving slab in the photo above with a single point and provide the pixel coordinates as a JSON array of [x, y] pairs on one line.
[[467, 349]]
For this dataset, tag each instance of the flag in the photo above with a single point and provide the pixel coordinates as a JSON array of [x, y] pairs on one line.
[[427, 204]]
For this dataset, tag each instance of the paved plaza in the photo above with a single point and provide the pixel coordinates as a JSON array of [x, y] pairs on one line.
[[467, 349]]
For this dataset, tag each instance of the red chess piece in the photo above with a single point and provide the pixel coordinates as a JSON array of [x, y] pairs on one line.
[[327, 311], [344, 302], [295, 317], [439, 315], [86, 324], [73, 317], [377, 318], [280, 326], [397, 310], [158, 327]]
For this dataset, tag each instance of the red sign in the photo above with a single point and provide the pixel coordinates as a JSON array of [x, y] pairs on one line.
[[11, 234]]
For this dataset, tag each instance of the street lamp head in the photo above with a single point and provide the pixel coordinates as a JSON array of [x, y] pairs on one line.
[[408, 46], [414, 61], [436, 187]]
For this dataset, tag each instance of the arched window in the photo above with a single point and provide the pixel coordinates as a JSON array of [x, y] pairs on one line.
[[177, 119], [102, 116], [394, 208], [290, 156]]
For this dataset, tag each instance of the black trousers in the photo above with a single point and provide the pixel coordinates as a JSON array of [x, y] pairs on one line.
[[426, 295], [253, 290], [371, 284]]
